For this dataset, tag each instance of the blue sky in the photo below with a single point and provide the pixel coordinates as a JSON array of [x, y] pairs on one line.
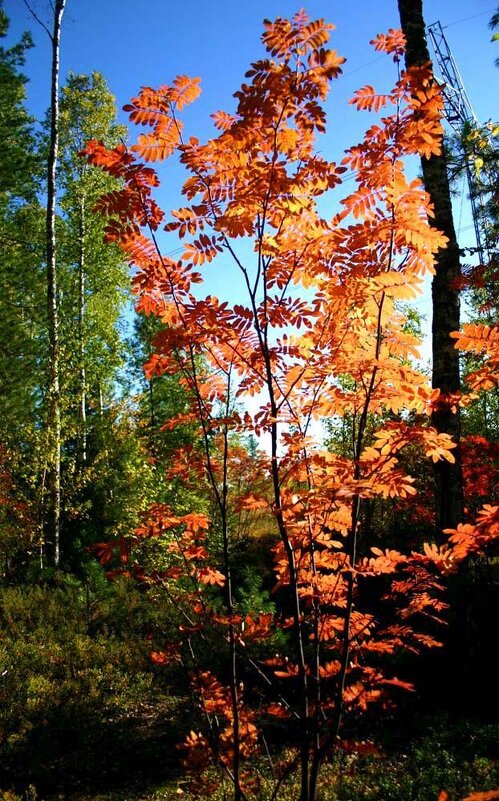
[[136, 43]]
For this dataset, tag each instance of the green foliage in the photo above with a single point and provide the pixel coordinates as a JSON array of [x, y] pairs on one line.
[[29, 795], [159, 398], [104, 501], [455, 757], [481, 418], [21, 227], [81, 703], [18, 530], [22, 311], [113, 456], [19, 164], [493, 25], [71, 656], [90, 334], [474, 154]]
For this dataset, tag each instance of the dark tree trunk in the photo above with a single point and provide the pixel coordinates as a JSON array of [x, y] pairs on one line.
[[445, 295]]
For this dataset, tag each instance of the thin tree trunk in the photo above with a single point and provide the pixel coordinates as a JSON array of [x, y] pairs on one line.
[[445, 295], [152, 403], [100, 400], [54, 396], [81, 335], [234, 686]]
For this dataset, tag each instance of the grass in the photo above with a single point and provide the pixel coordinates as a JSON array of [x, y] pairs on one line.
[[136, 760], [85, 716]]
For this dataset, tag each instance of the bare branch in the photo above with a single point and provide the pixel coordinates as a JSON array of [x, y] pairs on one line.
[[38, 20]]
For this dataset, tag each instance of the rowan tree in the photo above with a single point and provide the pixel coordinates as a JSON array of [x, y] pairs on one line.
[[317, 333]]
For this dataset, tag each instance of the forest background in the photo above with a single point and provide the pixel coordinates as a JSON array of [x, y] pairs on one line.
[[77, 649]]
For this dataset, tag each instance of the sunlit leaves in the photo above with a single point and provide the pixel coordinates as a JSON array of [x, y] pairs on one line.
[[392, 42], [469, 538], [284, 38], [156, 109], [223, 121], [482, 340], [203, 249], [478, 338], [317, 334], [366, 99], [159, 145]]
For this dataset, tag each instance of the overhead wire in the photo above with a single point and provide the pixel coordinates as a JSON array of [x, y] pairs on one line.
[[472, 16], [450, 25], [350, 175]]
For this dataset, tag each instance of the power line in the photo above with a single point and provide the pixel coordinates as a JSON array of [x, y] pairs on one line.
[[459, 114], [465, 19], [363, 66], [450, 25]]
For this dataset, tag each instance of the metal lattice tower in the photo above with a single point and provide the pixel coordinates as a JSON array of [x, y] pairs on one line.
[[459, 114]]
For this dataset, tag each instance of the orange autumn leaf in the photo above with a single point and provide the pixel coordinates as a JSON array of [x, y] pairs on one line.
[[392, 42], [210, 575], [487, 795]]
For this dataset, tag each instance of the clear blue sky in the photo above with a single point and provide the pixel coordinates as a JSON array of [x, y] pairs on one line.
[[136, 43], [133, 42]]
